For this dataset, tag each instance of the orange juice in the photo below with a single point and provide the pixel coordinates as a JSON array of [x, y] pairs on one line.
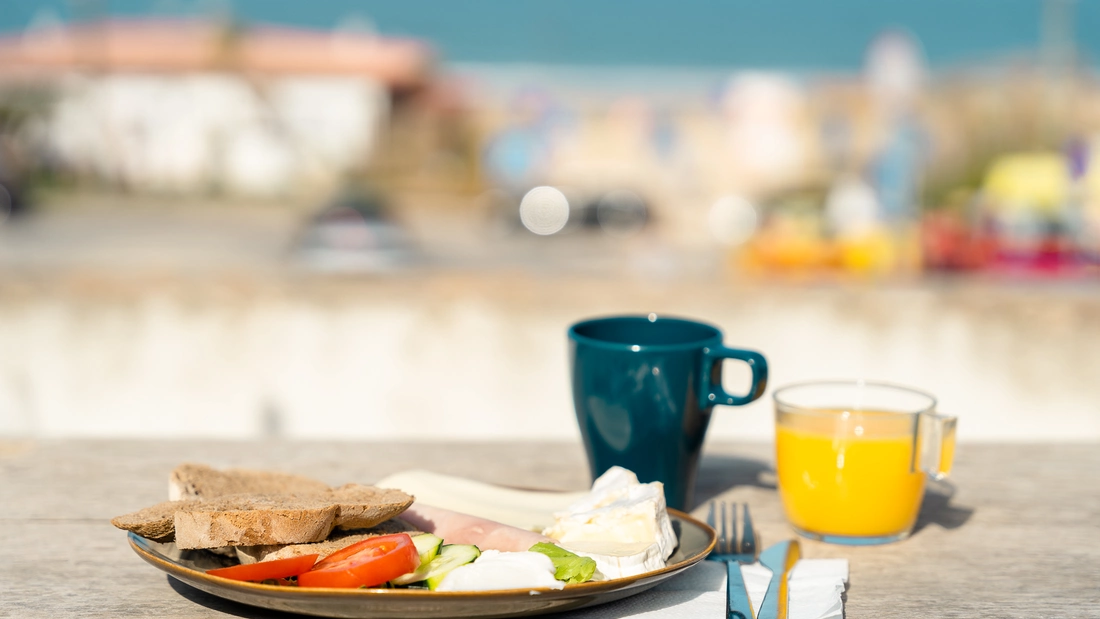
[[849, 474]]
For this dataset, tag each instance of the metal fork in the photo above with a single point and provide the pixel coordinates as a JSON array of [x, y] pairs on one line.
[[735, 551]]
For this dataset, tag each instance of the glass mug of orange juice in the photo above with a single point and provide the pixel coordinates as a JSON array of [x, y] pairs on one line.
[[852, 458]]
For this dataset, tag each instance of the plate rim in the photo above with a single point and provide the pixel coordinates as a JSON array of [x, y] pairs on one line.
[[186, 574]]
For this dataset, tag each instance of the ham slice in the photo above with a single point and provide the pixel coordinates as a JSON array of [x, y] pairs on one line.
[[459, 528]]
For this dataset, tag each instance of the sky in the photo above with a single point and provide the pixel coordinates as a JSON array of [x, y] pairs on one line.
[[785, 34]]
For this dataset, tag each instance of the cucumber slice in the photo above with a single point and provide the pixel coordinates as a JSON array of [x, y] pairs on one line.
[[427, 546], [450, 557], [432, 573]]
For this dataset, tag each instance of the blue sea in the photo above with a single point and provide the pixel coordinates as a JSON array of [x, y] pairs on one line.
[[768, 34]]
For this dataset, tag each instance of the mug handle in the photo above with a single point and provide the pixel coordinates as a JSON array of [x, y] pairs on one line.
[[712, 387]]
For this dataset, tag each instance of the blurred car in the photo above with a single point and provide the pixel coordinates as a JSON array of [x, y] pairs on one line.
[[552, 211], [355, 232], [12, 201]]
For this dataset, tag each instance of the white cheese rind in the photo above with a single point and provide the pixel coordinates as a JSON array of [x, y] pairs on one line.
[[619, 560]]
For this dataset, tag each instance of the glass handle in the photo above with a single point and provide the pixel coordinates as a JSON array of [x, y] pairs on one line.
[[937, 440]]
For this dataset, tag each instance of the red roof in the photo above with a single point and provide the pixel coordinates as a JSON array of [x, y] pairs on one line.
[[193, 45]]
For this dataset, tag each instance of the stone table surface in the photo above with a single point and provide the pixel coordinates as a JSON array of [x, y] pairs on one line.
[[1015, 534]]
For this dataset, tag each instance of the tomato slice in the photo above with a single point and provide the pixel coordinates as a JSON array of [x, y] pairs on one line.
[[367, 563], [267, 570]]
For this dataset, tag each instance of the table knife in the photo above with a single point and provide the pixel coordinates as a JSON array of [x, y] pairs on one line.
[[780, 559]]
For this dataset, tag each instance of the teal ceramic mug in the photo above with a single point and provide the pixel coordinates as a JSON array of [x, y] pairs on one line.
[[643, 390]]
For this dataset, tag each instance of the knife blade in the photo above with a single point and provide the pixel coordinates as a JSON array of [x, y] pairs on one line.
[[779, 558], [794, 553]]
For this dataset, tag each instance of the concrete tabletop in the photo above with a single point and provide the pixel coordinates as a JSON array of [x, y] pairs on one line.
[[1015, 534]]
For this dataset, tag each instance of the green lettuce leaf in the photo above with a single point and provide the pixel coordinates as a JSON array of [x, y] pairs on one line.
[[568, 567]]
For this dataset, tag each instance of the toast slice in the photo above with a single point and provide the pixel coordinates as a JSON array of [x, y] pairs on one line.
[[362, 507], [336, 541], [232, 520], [199, 481], [157, 522], [253, 519], [264, 519]]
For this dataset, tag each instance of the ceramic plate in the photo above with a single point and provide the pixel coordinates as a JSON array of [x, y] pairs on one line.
[[696, 540]]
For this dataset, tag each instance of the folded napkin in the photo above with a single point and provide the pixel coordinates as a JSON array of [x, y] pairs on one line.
[[816, 592], [816, 587]]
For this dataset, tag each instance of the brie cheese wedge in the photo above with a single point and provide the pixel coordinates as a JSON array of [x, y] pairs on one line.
[[621, 523], [619, 559]]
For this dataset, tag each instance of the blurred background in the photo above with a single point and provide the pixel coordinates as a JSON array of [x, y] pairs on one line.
[[366, 219]]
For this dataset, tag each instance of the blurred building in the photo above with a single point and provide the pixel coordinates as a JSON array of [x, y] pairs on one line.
[[874, 171], [191, 106], [808, 172]]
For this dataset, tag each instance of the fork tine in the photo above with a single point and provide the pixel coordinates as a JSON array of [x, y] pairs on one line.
[[735, 543], [722, 517], [725, 530], [748, 535], [711, 520]]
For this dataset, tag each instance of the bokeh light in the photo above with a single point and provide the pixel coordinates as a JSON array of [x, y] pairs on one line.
[[732, 220], [544, 210]]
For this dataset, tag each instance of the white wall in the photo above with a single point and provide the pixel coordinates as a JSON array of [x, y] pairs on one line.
[[459, 357], [215, 130]]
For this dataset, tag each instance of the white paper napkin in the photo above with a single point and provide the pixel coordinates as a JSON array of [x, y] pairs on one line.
[[816, 592], [816, 587]]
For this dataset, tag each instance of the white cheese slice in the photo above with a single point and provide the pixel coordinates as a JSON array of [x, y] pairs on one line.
[[531, 510], [619, 559]]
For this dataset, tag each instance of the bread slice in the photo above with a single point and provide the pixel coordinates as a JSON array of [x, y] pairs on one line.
[[265, 519], [336, 541], [233, 520], [157, 523], [360, 506], [199, 481], [363, 507], [228, 521]]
